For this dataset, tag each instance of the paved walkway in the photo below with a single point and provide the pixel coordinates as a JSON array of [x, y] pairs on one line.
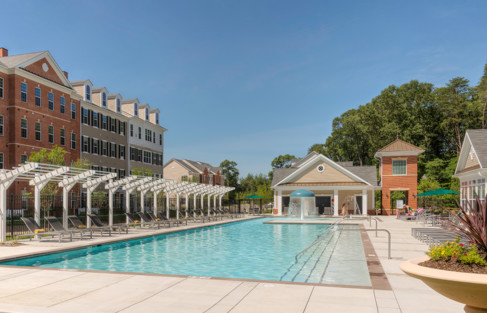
[[48, 290]]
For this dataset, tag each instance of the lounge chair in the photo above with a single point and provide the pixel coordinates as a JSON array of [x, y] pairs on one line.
[[154, 218], [36, 230], [98, 223], [133, 220], [57, 226], [209, 217], [164, 218], [78, 224], [147, 221]]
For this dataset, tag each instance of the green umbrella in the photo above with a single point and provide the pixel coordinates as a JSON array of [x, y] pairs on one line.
[[253, 197], [437, 192]]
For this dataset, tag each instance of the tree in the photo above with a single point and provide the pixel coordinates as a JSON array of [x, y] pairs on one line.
[[282, 161], [482, 96], [317, 147], [229, 169], [83, 163], [142, 171]]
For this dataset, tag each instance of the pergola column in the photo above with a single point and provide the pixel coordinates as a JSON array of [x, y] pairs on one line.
[[67, 184], [209, 205], [177, 205], [90, 188], [364, 202], [112, 187]]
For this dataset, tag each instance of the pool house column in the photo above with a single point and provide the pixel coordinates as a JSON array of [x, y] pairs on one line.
[[364, 202], [279, 202], [335, 203]]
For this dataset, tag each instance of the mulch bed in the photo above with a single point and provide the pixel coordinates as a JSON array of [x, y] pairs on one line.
[[455, 266]]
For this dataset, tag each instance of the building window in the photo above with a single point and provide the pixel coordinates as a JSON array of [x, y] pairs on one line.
[[1, 125], [1, 160], [23, 128], [121, 174], [95, 119], [88, 93], [85, 143], [136, 110], [122, 128], [160, 139], [62, 104], [38, 97], [398, 167], [1, 87], [38, 131], [50, 101], [63, 137], [157, 118], [23, 92], [104, 149], [119, 106], [131, 130], [146, 114], [73, 110], [23, 158], [104, 123], [132, 154], [73, 141], [139, 155], [113, 125], [103, 99], [85, 115], [95, 146], [50, 134], [121, 152], [113, 150], [140, 133], [147, 157]]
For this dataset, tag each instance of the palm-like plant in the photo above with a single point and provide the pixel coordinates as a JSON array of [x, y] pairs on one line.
[[472, 222]]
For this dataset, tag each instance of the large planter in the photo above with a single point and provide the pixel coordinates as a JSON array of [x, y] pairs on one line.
[[467, 288]]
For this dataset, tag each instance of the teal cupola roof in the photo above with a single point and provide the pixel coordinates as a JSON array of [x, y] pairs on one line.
[[302, 193]]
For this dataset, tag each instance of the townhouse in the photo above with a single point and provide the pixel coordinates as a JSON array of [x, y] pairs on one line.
[[194, 171]]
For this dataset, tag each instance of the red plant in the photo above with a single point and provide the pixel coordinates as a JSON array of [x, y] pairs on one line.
[[472, 222]]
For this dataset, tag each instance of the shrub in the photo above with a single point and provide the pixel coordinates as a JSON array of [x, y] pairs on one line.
[[456, 252]]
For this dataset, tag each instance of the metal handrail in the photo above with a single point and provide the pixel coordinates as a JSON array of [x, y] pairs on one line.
[[314, 243], [388, 234]]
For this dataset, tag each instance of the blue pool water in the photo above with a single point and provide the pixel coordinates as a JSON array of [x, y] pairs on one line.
[[248, 249]]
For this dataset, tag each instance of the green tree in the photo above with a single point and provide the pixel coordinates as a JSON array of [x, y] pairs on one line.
[[282, 161], [317, 147], [229, 169], [142, 171], [482, 97]]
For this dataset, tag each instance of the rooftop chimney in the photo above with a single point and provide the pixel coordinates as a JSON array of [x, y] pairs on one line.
[[65, 74], [3, 52]]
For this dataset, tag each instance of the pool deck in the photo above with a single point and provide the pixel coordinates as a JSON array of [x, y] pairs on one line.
[[49, 290]]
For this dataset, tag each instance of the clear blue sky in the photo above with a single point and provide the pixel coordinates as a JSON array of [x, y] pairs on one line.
[[250, 80]]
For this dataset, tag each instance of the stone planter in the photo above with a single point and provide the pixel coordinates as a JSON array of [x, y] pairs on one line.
[[467, 288]]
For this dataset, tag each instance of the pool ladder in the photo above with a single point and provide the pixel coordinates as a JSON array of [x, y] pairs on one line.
[[320, 245]]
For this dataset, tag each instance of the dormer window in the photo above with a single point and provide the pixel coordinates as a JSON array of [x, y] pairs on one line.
[[119, 106], [88, 93], [157, 118], [136, 109], [103, 99], [146, 114]]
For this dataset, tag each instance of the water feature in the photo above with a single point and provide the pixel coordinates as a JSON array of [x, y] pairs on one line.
[[302, 203]]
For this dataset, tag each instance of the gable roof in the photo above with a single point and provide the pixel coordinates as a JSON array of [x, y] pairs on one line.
[[367, 174], [475, 142], [478, 138], [23, 60], [195, 166]]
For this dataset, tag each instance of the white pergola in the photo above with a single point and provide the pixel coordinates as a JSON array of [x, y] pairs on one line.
[[39, 175]]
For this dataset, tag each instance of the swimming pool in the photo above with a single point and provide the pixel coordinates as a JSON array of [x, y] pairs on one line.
[[247, 250]]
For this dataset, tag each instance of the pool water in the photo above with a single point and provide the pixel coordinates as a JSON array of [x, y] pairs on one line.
[[246, 250]]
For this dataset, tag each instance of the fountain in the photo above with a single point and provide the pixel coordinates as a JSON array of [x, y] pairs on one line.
[[302, 204]]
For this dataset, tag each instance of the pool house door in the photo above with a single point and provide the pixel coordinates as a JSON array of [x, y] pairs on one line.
[[358, 206]]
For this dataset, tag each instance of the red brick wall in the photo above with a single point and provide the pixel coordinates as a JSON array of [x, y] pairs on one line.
[[408, 182], [36, 68], [16, 110]]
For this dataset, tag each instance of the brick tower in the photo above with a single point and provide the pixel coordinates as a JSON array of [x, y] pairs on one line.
[[398, 172]]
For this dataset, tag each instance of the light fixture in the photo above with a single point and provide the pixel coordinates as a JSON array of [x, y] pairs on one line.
[[387, 195]]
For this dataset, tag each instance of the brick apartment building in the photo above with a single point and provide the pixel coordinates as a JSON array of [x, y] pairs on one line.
[[38, 109]]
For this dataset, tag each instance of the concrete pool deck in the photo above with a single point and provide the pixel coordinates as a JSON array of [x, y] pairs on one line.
[[49, 290]]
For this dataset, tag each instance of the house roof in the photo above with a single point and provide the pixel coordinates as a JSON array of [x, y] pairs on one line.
[[195, 166], [80, 82], [399, 145], [478, 138], [367, 173], [16, 60]]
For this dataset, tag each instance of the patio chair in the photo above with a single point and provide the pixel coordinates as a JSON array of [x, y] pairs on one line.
[[57, 226], [154, 218], [78, 224], [209, 217], [36, 230], [133, 220], [165, 219], [147, 221], [193, 217], [98, 223]]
